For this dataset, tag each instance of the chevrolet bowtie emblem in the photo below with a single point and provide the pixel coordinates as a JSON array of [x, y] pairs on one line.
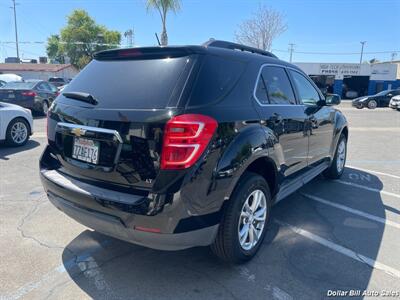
[[78, 131]]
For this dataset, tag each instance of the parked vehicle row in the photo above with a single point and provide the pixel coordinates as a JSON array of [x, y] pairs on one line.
[[190, 146], [36, 95], [382, 99]]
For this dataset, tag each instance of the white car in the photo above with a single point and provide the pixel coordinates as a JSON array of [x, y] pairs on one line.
[[16, 124], [395, 102]]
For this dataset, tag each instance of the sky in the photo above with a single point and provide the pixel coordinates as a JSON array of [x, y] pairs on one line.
[[327, 28]]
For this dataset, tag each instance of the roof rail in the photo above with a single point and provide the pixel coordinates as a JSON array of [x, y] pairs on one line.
[[234, 46]]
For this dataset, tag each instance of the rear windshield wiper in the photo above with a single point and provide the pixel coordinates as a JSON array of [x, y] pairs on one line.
[[85, 97]]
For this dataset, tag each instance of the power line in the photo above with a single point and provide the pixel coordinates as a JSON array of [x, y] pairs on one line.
[[338, 53]]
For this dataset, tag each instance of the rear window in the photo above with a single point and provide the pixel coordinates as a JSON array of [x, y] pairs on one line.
[[130, 84], [19, 85], [56, 80], [216, 78]]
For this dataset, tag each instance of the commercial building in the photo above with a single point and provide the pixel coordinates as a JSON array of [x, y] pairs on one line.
[[354, 80], [39, 71]]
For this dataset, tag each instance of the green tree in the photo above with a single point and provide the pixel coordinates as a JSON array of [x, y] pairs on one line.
[[54, 49], [80, 38], [163, 7]]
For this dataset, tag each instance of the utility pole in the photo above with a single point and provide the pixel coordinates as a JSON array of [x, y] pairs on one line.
[[16, 29], [291, 49], [362, 50]]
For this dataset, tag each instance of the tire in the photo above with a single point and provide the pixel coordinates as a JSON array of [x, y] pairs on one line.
[[360, 106], [45, 108], [337, 166], [372, 104], [17, 132], [227, 245]]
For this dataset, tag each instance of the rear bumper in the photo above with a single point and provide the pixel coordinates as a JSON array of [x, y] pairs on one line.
[[113, 226], [126, 216]]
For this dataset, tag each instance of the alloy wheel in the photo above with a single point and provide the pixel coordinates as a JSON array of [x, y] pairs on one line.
[[252, 219], [341, 156], [372, 104], [19, 132]]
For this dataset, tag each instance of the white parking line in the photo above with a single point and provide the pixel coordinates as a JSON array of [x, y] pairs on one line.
[[340, 249], [375, 172], [353, 211], [368, 188], [39, 135]]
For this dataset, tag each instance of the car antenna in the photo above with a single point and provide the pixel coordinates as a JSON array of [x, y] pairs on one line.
[[158, 40]]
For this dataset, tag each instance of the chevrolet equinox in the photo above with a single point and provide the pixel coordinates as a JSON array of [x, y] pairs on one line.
[[176, 147]]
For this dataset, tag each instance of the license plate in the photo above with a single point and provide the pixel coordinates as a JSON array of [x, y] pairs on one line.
[[11, 96], [86, 150]]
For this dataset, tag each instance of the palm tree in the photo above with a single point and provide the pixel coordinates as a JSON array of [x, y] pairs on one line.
[[163, 6]]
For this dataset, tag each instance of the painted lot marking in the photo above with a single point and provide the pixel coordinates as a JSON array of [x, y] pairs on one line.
[[374, 172], [375, 129], [39, 135], [343, 250], [353, 211], [52, 276], [368, 188]]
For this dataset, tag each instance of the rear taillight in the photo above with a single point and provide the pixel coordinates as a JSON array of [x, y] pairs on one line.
[[185, 139], [29, 94]]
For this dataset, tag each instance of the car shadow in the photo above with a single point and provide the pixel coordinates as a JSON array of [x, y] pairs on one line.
[[38, 116], [288, 266], [6, 151]]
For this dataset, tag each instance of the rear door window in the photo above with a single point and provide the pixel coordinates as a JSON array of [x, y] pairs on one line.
[[273, 87], [130, 84]]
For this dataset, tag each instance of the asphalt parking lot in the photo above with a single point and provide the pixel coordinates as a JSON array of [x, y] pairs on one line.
[[329, 236]]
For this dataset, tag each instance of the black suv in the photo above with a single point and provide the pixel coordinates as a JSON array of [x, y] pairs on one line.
[[175, 147]]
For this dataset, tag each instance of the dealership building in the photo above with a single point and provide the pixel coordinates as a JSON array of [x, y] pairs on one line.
[[354, 80]]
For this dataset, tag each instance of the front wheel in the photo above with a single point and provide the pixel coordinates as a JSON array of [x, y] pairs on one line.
[[336, 168], [244, 224], [17, 132]]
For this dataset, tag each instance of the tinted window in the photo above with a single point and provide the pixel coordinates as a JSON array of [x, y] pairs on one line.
[[395, 93], [129, 84], [307, 93], [56, 79], [19, 85], [41, 87], [216, 78], [274, 87]]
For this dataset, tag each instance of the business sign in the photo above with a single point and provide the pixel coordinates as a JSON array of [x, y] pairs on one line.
[[384, 71], [340, 70]]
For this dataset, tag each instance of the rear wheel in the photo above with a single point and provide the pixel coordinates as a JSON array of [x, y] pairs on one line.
[[372, 104], [244, 224], [45, 107], [336, 169], [17, 132]]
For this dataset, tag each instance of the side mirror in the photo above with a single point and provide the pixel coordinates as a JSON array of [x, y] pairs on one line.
[[390, 95], [332, 99]]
